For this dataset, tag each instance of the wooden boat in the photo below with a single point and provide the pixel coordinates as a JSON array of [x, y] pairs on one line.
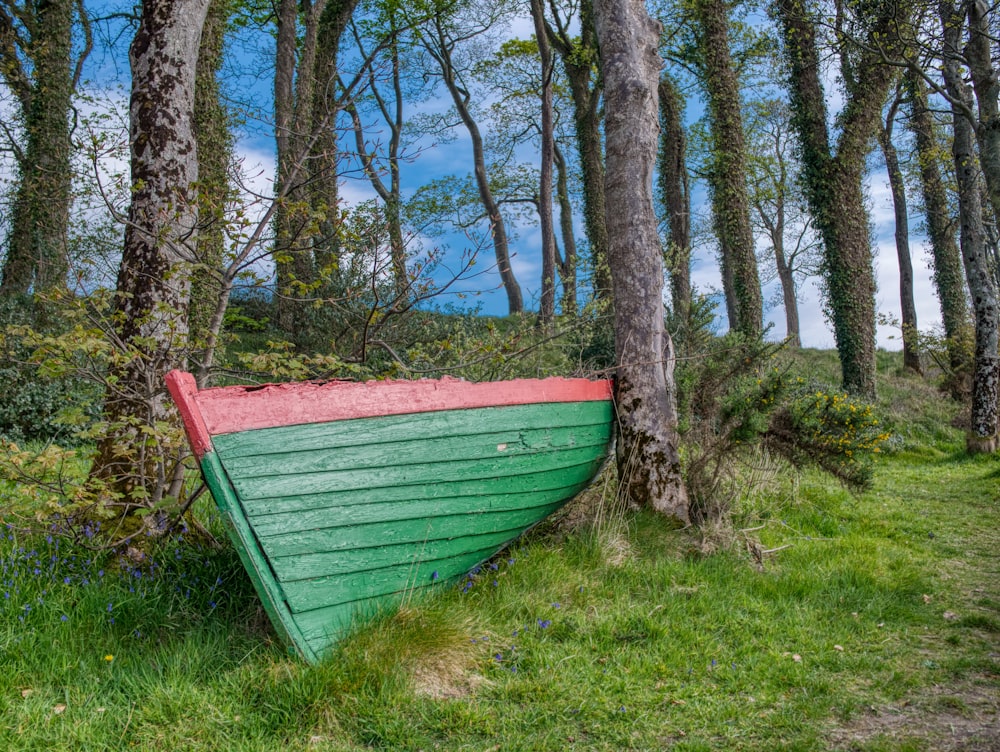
[[342, 497]]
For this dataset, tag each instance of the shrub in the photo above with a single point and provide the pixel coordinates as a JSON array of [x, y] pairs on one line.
[[36, 405], [738, 396]]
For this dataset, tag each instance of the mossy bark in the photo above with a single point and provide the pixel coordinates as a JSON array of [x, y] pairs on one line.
[[133, 460], [727, 173], [578, 50], [979, 271], [833, 176], [649, 466], [37, 255], [211, 123], [949, 279], [676, 198]]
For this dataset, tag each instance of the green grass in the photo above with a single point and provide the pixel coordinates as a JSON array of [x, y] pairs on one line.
[[819, 620]]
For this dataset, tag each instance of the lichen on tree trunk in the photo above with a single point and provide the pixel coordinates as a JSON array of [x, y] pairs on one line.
[[134, 461], [648, 461]]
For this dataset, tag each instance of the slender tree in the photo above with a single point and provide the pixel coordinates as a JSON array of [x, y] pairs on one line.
[[574, 39], [547, 309], [440, 38], [778, 203], [391, 109], [565, 260], [908, 307], [648, 461]]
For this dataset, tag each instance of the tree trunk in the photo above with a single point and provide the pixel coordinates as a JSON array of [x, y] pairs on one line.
[[294, 81], [324, 154], [676, 198], [908, 308], [37, 254], [648, 462], [460, 98], [980, 52], [728, 174], [391, 194], [547, 307], [160, 241], [833, 180], [949, 279], [982, 436], [578, 53], [567, 262], [215, 142], [789, 295]]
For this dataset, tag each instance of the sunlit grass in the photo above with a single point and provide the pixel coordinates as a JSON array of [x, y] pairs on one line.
[[809, 623]]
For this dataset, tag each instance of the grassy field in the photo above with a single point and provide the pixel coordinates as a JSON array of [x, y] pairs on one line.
[[817, 620]]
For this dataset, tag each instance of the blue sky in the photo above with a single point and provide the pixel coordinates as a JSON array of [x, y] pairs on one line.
[[251, 56]]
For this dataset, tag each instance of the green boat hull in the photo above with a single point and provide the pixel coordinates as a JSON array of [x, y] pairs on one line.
[[337, 520]]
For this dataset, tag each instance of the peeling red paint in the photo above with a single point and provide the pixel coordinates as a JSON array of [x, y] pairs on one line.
[[239, 408]]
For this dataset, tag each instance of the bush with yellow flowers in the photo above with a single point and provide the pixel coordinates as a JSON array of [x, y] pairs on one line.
[[837, 432]]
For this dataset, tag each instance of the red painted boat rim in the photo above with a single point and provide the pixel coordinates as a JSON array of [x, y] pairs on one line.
[[231, 409]]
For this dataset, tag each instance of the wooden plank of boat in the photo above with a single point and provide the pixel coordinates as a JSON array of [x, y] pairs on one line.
[[343, 497]]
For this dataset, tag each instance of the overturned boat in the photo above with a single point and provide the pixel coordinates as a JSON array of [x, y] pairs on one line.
[[342, 497]]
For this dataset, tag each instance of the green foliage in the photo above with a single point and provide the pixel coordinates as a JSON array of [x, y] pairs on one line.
[[738, 396], [141, 489], [831, 430], [40, 403]]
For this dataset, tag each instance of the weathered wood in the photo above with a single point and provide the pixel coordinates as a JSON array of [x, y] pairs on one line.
[[337, 519], [320, 592], [354, 501], [496, 467], [344, 515], [467, 444]]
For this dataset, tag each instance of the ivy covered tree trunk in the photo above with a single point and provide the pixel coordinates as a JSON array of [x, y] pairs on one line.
[[979, 271], [949, 278], [833, 177], [37, 255], [649, 466], [727, 173], [294, 81], [908, 307], [676, 198], [134, 462], [577, 48], [324, 154], [214, 151]]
